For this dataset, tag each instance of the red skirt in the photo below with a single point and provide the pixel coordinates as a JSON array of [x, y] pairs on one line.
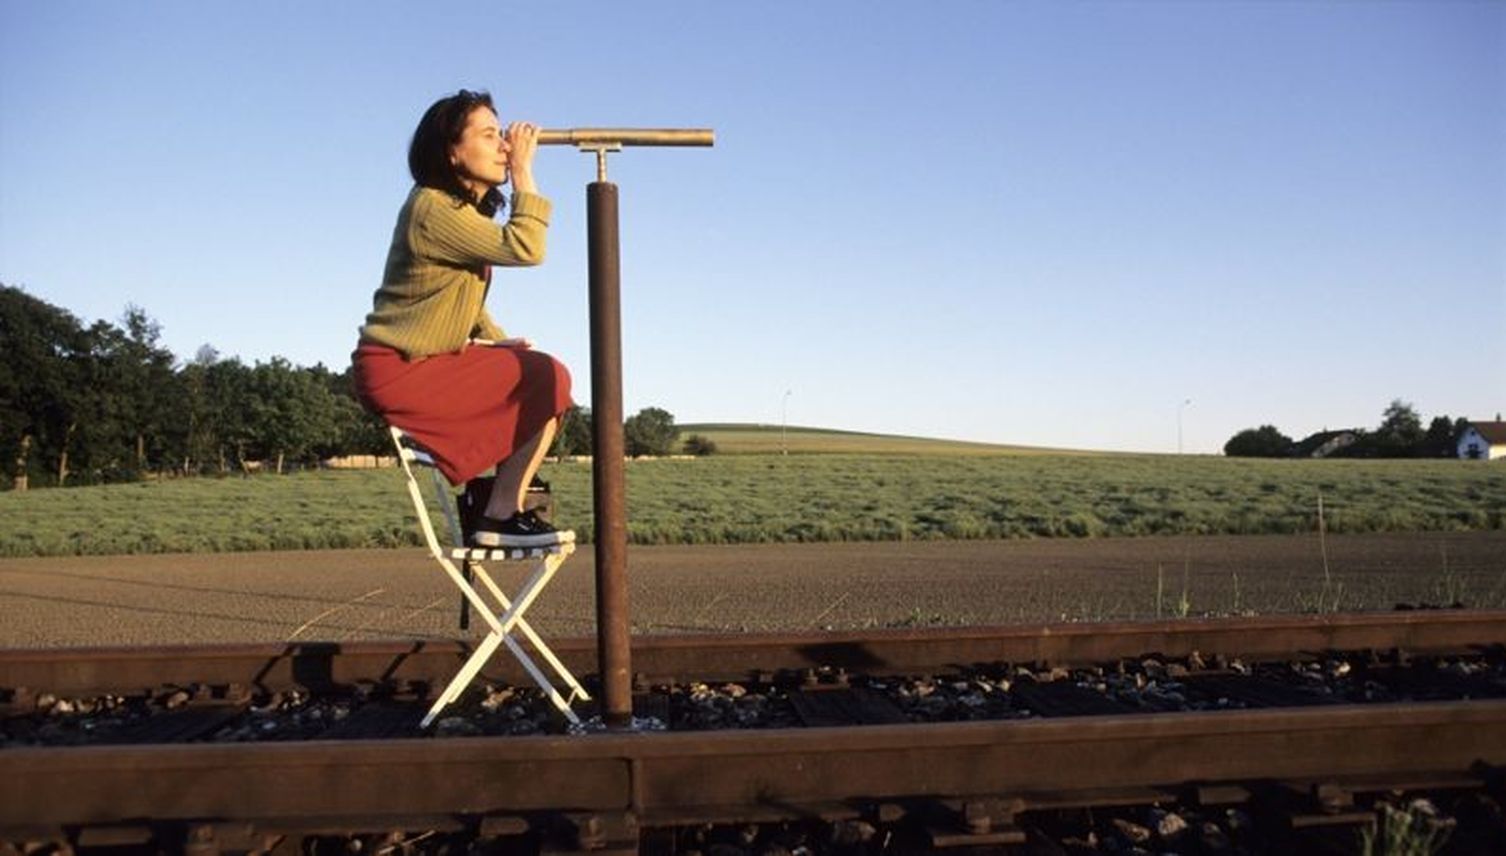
[[471, 409]]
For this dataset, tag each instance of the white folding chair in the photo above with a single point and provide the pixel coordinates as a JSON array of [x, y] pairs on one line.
[[547, 562]]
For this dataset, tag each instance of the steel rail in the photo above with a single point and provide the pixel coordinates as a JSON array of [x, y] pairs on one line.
[[119, 794], [322, 666], [730, 776]]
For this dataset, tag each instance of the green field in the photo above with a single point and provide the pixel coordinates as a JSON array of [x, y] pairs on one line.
[[742, 498], [745, 439]]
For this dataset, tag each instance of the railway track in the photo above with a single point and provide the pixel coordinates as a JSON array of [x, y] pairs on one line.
[[1069, 716]]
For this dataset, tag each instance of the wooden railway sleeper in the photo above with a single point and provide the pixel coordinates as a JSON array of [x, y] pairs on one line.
[[113, 835], [39, 842], [17, 700], [886, 812], [1303, 808], [607, 833], [42, 844], [975, 821], [1492, 777], [1216, 794], [501, 826], [212, 839]]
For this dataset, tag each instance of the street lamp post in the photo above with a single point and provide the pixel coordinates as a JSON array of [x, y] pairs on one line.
[[1181, 407], [784, 424]]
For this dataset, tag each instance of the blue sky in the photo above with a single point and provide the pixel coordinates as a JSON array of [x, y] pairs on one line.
[[1039, 223]]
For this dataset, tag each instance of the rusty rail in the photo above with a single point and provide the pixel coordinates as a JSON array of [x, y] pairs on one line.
[[239, 795], [320, 666]]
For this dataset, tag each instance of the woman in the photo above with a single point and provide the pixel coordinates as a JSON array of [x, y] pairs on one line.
[[431, 361]]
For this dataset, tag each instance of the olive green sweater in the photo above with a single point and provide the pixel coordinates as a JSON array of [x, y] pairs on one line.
[[432, 293]]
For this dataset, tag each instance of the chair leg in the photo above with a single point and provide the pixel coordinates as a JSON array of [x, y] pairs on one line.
[[501, 630], [467, 572], [463, 678], [576, 690], [560, 703]]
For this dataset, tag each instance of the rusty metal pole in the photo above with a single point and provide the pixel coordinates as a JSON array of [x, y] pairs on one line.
[[608, 486], [613, 646]]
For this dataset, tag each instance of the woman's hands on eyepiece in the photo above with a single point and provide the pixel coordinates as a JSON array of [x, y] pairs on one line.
[[522, 143]]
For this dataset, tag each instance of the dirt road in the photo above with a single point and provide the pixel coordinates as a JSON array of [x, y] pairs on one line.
[[367, 594]]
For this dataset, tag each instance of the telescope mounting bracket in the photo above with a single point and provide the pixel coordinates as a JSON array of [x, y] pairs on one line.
[[600, 150]]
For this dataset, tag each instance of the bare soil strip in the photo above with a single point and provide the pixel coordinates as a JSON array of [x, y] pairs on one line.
[[333, 595]]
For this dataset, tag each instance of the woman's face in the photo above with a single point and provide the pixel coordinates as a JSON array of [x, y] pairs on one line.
[[480, 158]]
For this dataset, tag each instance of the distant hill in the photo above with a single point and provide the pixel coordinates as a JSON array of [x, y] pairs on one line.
[[750, 439]]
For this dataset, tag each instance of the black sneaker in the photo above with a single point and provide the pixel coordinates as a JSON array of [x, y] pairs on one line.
[[523, 529]]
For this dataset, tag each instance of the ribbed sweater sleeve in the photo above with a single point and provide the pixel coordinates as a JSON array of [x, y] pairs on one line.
[[434, 286], [458, 234]]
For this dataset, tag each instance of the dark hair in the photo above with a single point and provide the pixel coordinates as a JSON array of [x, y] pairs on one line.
[[429, 153]]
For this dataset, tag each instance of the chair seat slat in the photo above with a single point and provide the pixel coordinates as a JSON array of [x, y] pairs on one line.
[[504, 554]]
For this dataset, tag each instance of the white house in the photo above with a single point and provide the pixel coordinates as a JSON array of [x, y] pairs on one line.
[[1484, 441]]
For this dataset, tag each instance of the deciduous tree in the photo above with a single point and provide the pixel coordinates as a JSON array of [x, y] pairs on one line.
[[1400, 431], [574, 435], [1439, 441], [699, 446], [291, 411], [651, 431], [1263, 442], [41, 349]]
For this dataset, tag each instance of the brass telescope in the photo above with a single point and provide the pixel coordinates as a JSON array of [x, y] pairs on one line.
[[628, 137]]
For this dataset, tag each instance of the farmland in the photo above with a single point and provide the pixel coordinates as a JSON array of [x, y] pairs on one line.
[[757, 497], [339, 595], [746, 439]]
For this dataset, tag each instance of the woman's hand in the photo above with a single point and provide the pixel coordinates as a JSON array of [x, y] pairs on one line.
[[522, 143], [515, 342]]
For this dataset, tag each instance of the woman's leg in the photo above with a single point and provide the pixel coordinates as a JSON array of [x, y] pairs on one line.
[[515, 473]]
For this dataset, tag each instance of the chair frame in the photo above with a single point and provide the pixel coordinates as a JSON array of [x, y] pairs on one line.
[[547, 561]]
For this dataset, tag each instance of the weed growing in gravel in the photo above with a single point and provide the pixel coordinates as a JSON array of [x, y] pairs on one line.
[[1183, 606], [1184, 603], [1411, 830], [1450, 587], [1160, 587], [917, 618]]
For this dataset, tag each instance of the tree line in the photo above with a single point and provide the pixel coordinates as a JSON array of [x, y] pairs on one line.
[[650, 432], [1399, 435], [107, 402]]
